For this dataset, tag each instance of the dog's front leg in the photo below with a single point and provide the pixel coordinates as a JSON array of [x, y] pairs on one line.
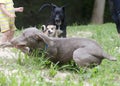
[[52, 53], [24, 49]]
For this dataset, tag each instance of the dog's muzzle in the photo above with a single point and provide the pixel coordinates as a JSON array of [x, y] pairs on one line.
[[57, 22], [49, 32]]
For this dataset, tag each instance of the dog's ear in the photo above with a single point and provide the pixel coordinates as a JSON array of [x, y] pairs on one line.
[[43, 27], [53, 6], [44, 38], [63, 8]]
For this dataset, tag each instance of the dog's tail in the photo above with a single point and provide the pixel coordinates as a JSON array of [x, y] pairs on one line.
[[109, 57], [47, 5]]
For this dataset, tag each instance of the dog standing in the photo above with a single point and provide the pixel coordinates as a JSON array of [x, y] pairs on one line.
[[57, 18]]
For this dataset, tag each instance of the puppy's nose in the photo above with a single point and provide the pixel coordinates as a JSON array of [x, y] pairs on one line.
[[49, 32]]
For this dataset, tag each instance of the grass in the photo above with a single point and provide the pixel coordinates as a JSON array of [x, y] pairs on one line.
[[38, 71]]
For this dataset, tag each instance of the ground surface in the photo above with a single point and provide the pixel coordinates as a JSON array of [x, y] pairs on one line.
[[18, 69]]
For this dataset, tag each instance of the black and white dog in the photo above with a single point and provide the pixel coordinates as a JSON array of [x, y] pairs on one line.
[[57, 17]]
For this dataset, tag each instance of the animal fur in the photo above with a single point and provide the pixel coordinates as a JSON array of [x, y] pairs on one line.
[[51, 31], [57, 17], [82, 50]]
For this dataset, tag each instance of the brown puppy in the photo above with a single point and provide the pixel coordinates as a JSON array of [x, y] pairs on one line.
[[51, 30]]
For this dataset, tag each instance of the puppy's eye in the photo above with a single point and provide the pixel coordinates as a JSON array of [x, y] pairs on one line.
[[51, 28]]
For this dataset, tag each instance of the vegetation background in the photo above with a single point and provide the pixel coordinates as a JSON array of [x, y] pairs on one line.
[[77, 11]]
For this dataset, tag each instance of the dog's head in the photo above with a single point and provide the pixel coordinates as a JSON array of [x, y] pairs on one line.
[[58, 14], [49, 30], [27, 38], [31, 39]]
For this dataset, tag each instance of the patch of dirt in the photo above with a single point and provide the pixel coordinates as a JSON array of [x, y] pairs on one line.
[[7, 71], [117, 49], [10, 53], [60, 76]]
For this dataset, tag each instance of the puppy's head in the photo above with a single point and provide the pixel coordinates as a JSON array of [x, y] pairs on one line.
[[49, 30]]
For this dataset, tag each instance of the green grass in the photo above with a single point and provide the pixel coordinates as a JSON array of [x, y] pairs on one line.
[[38, 71]]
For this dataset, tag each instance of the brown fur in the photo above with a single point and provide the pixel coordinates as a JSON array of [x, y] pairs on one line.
[[51, 31], [82, 50]]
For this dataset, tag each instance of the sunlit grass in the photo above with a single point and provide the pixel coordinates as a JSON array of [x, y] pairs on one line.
[[38, 71]]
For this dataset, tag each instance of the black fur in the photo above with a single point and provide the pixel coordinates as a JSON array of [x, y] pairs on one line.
[[57, 17]]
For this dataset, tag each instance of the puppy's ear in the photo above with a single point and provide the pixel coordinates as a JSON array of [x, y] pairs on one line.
[[43, 28], [64, 6]]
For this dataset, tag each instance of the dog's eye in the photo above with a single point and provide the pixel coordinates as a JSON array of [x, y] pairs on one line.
[[51, 28]]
